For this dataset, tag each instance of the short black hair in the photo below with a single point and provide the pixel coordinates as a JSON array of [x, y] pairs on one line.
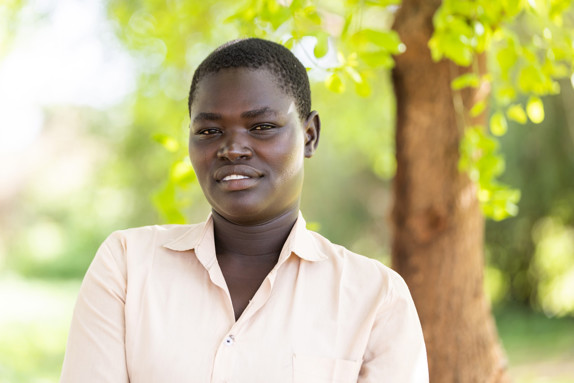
[[253, 53]]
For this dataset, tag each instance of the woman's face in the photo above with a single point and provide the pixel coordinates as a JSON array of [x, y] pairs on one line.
[[247, 145]]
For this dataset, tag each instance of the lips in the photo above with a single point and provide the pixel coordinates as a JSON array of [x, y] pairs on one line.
[[234, 177], [235, 173]]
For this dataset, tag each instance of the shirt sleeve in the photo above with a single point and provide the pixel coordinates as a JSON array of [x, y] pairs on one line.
[[96, 348], [396, 349]]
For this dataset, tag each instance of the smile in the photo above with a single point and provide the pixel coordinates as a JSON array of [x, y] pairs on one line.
[[232, 177], [236, 173]]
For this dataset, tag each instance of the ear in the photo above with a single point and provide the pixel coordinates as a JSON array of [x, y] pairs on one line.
[[312, 128]]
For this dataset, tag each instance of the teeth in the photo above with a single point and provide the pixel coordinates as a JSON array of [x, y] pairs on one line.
[[234, 177]]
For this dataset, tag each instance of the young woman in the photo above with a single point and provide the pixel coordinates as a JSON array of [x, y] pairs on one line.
[[250, 295]]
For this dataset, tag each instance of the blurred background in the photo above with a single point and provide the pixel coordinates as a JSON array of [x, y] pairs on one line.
[[93, 134]]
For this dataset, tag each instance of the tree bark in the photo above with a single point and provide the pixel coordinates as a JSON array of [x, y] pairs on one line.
[[437, 222]]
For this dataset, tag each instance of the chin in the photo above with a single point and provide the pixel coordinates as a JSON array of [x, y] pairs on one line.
[[244, 217], [252, 206], [239, 212]]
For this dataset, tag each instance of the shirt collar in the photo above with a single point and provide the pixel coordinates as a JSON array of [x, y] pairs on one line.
[[302, 243], [200, 239]]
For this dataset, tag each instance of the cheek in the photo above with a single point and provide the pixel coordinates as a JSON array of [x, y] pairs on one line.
[[198, 162], [199, 151], [289, 163]]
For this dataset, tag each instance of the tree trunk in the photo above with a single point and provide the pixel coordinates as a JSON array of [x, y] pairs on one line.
[[437, 222]]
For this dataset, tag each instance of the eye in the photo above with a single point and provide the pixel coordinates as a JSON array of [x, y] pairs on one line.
[[262, 127], [207, 132]]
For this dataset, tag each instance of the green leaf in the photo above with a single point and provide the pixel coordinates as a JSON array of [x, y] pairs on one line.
[[353, 74], [165, 201], [334, 83], [363, 89], [289, 43], [516, 113], [535, 110], [387, 40], [322, 45], [480, 159], [362, 86], [506, 58], [498, 124], [466, 80], [478, 108], [512, 7], [182, 173], [505, 94], [379, 59], [168, 142], [313, 226], [383, 3], [531, 79], [499, 201], [452, 47]]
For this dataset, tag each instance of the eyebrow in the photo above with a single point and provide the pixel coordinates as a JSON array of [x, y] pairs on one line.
[[247, 114], [259, 112], [207, 117]]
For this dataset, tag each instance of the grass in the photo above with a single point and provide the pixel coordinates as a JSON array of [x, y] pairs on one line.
[[35, 317], [539, 349], [34, 323]]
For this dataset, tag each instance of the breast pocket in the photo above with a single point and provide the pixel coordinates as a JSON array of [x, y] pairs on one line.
[[312, 369]]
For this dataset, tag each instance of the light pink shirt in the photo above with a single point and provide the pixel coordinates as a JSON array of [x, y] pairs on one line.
[[154, 307]]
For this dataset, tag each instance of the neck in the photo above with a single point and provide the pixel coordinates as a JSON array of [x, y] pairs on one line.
[[266, 239]]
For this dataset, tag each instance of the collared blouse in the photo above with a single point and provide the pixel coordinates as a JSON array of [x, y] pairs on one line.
[[154, 307]]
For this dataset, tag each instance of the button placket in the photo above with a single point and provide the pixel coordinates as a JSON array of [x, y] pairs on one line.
[[224, 360], [229, 340]]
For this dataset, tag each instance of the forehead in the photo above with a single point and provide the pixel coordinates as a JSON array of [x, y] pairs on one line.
[[241, 87]]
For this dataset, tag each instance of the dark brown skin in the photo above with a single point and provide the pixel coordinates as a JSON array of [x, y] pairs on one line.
[[246, 254], [247, 145]]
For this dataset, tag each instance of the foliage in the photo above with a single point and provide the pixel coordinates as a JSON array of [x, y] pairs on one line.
[[479, 157], [55, 233], [167, 39], [531, 44], [165, 58], [541, 164], [349, 45]]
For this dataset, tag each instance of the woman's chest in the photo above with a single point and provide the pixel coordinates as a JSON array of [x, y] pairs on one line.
[[180, 327]]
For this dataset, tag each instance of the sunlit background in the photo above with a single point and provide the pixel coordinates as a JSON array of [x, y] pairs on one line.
[[90, 127]]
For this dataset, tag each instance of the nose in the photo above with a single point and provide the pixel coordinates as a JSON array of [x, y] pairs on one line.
[[234, 148]]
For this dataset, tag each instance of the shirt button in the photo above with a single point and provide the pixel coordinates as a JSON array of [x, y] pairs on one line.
[[229, 340]]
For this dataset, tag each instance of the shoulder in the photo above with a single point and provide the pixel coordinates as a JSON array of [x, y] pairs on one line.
[[338, 254], [133, 251], [148, 239], [153, 233], [362, 272]]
